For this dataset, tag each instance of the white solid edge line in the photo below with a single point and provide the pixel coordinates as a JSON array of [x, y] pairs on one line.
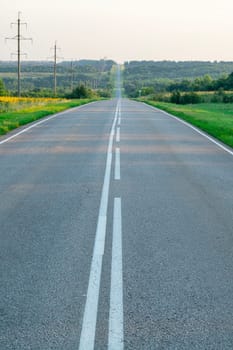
[[194, 128], [116, 324], [117, 165], [43, 121], [87, 338]]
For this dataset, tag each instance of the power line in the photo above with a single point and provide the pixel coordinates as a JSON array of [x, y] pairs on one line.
[[19, 37]]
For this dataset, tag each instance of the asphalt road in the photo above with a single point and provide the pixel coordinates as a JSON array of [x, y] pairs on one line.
[[115, 233]]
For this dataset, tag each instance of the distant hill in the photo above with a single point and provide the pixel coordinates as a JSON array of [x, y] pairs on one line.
[[161, 74], [39, 74]]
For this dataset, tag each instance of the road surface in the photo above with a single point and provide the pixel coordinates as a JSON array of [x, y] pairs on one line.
[[116, 233]]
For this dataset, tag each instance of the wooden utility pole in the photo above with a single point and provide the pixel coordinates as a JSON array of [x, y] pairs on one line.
[[19, 37], [55, 69], [72, 75], [55, 58]]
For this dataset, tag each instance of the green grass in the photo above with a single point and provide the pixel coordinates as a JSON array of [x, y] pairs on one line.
[[14, 119], [214, 118]]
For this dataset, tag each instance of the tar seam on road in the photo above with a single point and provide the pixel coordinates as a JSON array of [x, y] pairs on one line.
[[116, 330], [117, 165], [87, 338], [41, 122], [194, 128]]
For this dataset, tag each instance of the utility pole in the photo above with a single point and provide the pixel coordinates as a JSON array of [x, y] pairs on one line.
[[72, 75], [55, 57], [19, 37], [102, 67], [55, 69]]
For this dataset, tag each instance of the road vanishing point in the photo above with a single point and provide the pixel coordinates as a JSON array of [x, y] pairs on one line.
[[115, 233]]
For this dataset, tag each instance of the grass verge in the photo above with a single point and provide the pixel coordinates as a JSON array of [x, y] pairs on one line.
[[214, 118], [14, 119]]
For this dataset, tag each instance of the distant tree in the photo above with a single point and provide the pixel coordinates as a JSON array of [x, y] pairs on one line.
[[229, 82], [147, 90], [184, 85], [131, 89], [105, 93], [204, 83], [207, 82]]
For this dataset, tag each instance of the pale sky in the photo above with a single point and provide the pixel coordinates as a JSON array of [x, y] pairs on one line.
[[121, 29]]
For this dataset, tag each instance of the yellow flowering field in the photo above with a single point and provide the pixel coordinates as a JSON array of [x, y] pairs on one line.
[[11, 99], [9, 104]]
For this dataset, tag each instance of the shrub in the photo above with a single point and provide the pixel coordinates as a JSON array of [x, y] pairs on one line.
[[81, 92], [190, 98], [228, 99], [176, 97], [2, 88], [187, 98]]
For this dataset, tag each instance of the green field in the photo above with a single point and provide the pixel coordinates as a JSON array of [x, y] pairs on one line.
[[14, 119], [214, 118]]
